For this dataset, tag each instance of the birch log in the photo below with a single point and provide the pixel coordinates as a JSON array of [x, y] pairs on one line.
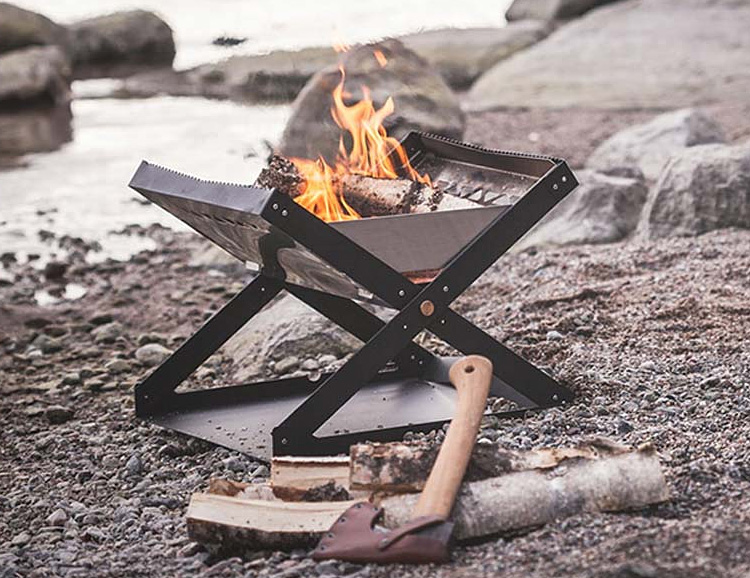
[[526, 499]]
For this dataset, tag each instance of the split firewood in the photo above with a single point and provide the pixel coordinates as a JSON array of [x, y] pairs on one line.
[[374, 197], [404, 466], [526, 499], [550, 488], [280, 174], [232, 526], [311, 479]]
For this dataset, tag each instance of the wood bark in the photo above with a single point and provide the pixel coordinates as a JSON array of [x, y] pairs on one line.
[[526, 499], [403, 467], [280, 174]]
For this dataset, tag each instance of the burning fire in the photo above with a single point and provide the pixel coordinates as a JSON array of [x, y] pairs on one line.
[[371, 155]]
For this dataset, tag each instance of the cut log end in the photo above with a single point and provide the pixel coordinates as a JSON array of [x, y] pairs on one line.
[[280, 174]]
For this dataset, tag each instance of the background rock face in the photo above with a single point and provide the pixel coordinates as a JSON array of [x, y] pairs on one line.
[[461, 55], [649, 146], [550, 9], [286, 329], [603, 209], [21, 28], [423, 100], [646, 53], [124, 38], [34, 75], [701, 189]]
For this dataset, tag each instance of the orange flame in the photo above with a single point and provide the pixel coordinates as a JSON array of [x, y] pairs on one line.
[[371, 154]]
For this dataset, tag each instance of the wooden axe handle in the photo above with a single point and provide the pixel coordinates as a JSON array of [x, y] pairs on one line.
[[471, 376]]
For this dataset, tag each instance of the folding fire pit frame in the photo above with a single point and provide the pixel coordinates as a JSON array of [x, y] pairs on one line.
[[389, 366]]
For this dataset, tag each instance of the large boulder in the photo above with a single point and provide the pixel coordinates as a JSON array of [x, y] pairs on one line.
[[703, 188], [422, 99], [550, 9], [21, 28], [34, 76], [461, 55], [660, 54], [603, 209], [649, 146], [117, 43], [287, 328]]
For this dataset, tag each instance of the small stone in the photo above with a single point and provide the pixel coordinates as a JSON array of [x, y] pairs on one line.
[[234, 464], [286, 365], [146, 338], [310, 365], [107, 333], [37, 322], [152, 354], [57, 414], [54, 270], [189, 549], [648, 366], [327, 359], [134, 466], [116, 366], [554, 335], [328, 568], [47, 344], [57, 518], [72, 378], [21, 539], [260, 472], [101, 319]]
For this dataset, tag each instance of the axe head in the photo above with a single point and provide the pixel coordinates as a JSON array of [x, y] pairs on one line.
[[354, 538]]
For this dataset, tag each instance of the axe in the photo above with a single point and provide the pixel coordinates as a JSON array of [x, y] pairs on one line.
[[425, 539]]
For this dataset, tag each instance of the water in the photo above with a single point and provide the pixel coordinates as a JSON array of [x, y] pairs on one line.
[[81, 190]]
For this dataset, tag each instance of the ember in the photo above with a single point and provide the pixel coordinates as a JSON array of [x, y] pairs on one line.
[[372, 154]]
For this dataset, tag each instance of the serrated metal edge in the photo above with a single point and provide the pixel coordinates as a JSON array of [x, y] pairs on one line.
[[475, 147], [200, 180]]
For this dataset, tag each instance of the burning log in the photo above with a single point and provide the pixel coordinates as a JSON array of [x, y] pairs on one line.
[[280, 174], [375, 197]]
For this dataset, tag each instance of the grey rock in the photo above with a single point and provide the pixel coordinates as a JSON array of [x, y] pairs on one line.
[[285, 328], [72, 378], [146, 338], [234, 464], [603, 209], [33, 76], [122, 40], [550, 9], [423, 101], [21, 539], [55, 270], [703, 188], [39, 128], [554, 335], [21, 28], [461, 55], [615, 58], [286, 365], [47, 344], [101, 318], [57, 414], [649, 146], [57, 518], [107, 333], [260, 472], [309, 365], [152, 354], [134, 466], [116, 366]]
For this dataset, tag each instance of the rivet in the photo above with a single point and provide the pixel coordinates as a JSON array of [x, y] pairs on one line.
[[555, 187], [564, 179], [275, 206], [284, 441], [445, 288], [442, 322], [555, 397], [413, 357], [284, 213], [401, 293], [262, 289], [427, 307], [406, 327]]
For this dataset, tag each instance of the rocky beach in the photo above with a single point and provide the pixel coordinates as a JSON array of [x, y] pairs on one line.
[[633, 292]]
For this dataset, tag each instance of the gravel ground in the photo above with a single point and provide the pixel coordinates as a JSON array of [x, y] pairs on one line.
[[652, 338]]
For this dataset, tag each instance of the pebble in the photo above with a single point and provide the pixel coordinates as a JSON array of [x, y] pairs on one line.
[[55, 270], [101, 318], [234, 464], [21, 539], [152, 354], [108, 332], [57, 518], [554, 335], [286, 364], [57, 414], [134, 466], [146, 338], [310, 365], [47, 344], [116, 366], [72, 378]]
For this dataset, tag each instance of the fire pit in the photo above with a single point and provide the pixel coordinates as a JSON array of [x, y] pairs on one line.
[[417, 264]]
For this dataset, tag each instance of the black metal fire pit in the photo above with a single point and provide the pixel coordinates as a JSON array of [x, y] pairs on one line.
[[417, 264]]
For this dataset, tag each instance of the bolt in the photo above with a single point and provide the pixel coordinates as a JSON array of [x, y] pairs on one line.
[[401, 293], [555, 397], [564, 179], [284, 441], [275, 206], [445, 288], [284, 213], [406, 327], [555, 187]]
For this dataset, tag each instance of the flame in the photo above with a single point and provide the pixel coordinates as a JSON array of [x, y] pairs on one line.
[[372, 154], [380, 57]]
